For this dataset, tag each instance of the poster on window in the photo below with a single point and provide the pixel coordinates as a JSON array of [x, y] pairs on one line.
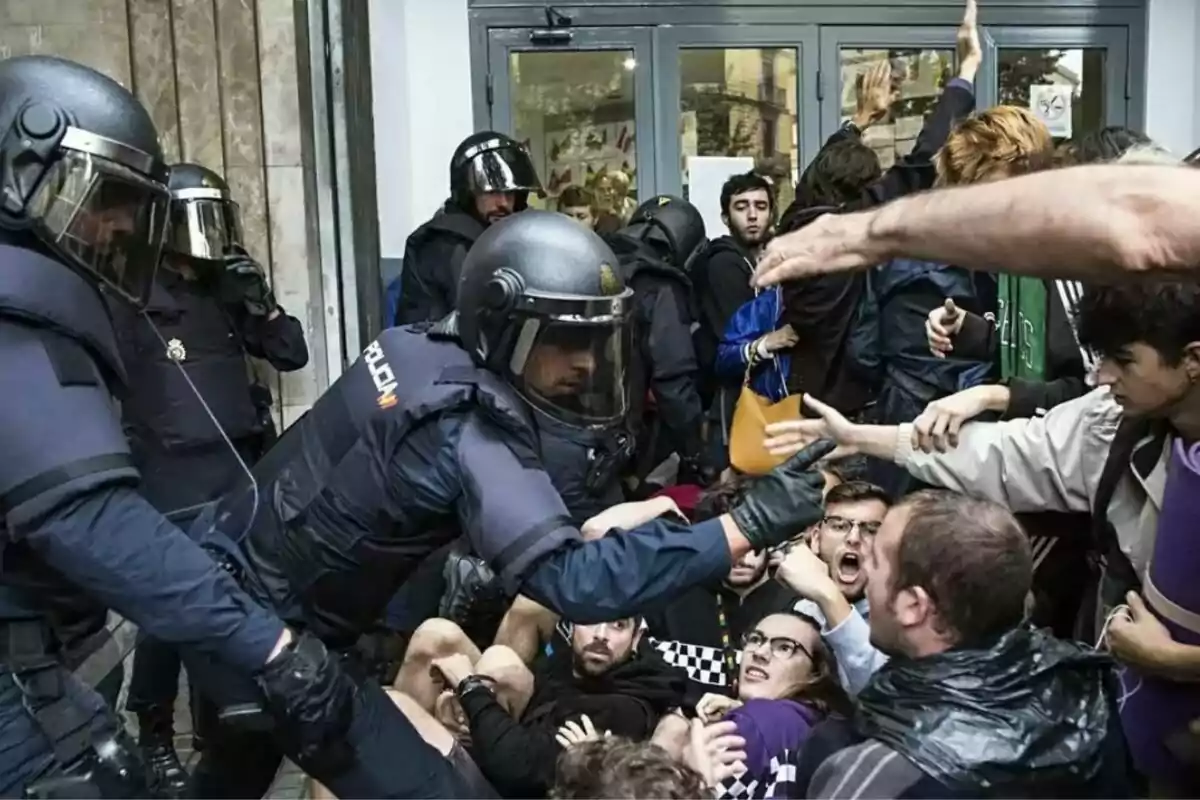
[[576, 156], [1051, 103]]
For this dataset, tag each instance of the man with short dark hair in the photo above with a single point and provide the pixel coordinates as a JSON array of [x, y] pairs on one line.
[[605, 675], [579, 204], [947, 577], [721, 274], [830, 577]]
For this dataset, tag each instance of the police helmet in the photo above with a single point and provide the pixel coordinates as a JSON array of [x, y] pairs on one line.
[[81, 170], [671, 223], [205, 221], [542, 303], [491, 162]]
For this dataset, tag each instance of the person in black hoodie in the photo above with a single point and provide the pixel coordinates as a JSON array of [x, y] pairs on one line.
[[656, 250], [491, 176], [608, 674], [721, 274]]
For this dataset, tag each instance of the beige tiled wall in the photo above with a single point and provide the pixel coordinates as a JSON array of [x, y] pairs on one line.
[[220, 79]]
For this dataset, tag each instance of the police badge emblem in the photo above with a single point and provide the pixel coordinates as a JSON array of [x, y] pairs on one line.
[[176, 351], [609, 284], [663, 201]]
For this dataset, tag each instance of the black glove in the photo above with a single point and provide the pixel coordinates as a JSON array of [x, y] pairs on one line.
[[785, 501], [245, 282], [312, 701]]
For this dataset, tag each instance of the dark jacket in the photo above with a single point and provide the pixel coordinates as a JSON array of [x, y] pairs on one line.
[[181, 454], [665, 364], [433, 258], [1027, 716], [826, 306], [519, 758], [720, 286], [1067, 365]]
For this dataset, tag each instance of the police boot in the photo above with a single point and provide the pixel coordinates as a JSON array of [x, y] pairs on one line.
[[474, 597], [156, 735]]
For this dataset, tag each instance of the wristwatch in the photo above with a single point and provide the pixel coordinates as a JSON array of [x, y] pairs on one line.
[[473, 683], [850, 127]]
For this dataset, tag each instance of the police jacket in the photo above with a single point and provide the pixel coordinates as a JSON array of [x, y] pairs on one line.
[[433, 258], [67, 480], [664, 355], [183, 459], [412, 445]]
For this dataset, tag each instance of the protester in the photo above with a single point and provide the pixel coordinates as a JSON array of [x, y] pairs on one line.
[[947, 579]]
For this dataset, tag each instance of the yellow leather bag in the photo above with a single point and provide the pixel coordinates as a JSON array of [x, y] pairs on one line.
[[751, 416]]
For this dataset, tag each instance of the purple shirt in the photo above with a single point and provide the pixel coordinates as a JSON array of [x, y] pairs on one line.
[[771, 728]]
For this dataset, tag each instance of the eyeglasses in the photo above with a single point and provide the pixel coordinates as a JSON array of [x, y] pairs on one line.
[[843, 526], [781, 646]]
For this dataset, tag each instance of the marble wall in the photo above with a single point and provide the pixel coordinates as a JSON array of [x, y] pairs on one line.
[[220, 78]]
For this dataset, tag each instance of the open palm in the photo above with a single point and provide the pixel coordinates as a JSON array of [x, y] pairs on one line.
[[792, 436]]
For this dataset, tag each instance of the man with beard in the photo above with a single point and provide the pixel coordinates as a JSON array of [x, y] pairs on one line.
[[491, 176], [621, 687], [721, 274], [701, 632], [947, 579], [829, 576]]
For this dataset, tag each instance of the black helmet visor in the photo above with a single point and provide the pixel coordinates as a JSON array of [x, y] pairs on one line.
[[102, 214], [205, 224], [500, 169], [571, 356]]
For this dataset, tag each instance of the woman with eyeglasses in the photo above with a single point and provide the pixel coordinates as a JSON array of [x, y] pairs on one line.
[[786, 685]]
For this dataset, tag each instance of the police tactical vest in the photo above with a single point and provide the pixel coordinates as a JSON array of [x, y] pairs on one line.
[[195, 332], [318, 536]]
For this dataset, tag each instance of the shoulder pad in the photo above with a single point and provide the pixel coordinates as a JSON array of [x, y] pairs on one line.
[[38, 290], [60, 431]]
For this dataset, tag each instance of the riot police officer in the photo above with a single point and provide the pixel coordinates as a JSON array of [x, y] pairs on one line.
[[491, 176], [209, 308], [83, 200], [656, 250], [431, 432]]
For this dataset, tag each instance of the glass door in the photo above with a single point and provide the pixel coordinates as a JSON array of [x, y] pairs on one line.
[[731, 98], [580, 99], [1088, 65], [922, 61]]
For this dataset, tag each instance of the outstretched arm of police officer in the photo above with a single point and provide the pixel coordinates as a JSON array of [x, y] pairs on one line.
[[516, 520], [72, 499]]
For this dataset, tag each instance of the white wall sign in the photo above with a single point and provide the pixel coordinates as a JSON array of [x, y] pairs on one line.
[[1051, 103], [706, 176]]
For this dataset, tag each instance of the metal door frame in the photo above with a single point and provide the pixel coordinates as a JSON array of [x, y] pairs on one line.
[[503, 42], [1113, 39], [835, 38], [670, 41]]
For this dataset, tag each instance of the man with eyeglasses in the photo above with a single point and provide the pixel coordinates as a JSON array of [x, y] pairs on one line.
[[830, 578]]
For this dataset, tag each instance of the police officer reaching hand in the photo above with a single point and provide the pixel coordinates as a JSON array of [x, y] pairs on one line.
[[186, 355], [433, 432], [83, 201]]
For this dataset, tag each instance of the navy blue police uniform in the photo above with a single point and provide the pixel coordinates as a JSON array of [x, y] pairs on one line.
[[419, 441], [82, 200], [187, 356]]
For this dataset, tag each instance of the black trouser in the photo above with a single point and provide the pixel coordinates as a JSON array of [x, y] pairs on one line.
[[392, 760], [155, 678]]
